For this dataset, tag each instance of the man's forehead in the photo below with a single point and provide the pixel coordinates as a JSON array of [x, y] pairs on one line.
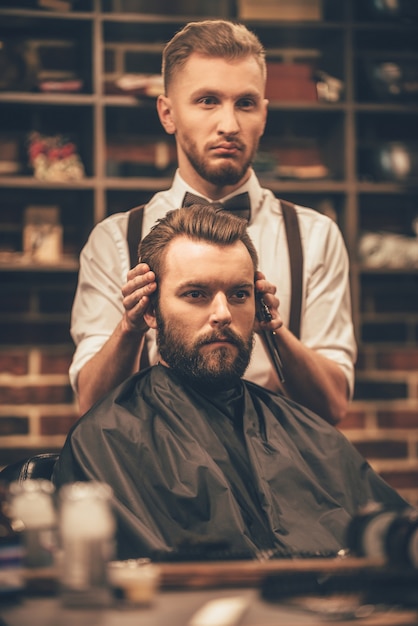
[[192, 260], [192, 246], [192, 67]]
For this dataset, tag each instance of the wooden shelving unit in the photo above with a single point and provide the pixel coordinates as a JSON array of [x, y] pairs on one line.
[[105, 41]]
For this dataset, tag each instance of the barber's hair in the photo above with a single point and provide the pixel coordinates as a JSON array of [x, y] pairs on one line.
[[212, 38], [198, 223]]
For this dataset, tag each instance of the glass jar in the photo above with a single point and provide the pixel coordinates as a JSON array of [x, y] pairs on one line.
[[87, 531], [33, 514]]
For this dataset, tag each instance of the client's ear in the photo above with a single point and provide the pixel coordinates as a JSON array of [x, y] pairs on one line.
[[150, 318]]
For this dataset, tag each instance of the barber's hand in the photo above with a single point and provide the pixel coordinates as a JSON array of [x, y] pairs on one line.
[[268, 292], [136, 297]]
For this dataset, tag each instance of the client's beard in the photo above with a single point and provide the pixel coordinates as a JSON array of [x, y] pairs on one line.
[[218, 370]]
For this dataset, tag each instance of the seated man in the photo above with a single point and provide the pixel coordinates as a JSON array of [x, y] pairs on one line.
[[190, 449]]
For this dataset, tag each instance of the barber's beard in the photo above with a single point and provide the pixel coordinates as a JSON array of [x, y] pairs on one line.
[[228, 172], [219, 368]]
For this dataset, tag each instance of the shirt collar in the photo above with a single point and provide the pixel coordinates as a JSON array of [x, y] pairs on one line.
[[252, 186]]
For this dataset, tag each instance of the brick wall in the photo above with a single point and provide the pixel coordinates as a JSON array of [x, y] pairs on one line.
[[36, 402], [37, 406], [383, 421]]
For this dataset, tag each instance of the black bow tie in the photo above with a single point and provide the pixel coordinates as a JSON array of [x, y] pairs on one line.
[[238, 205]]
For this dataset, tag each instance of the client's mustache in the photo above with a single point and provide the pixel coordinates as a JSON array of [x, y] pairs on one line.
[[225, 334]]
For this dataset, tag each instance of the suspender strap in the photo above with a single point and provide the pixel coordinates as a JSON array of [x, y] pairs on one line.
[[133, 236], [294, 245]]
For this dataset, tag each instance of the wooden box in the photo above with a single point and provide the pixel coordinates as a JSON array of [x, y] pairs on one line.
[[294, 10], [290, 81]]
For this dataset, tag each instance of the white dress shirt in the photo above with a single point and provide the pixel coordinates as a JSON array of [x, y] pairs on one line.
[[326, 323]]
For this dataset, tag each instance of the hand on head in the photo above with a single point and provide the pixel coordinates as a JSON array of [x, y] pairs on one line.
[[268, 292], [136, 294]]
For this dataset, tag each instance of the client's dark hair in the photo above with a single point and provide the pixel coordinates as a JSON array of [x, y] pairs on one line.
[[199, 223]]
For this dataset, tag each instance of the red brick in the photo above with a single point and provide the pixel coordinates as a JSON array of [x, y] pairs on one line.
[[13, 426], [55, 363], [397, 359], [382, 449], [398, 419], [15, 363], [401, 479], [37, 394], [56, 424], [354, 419]]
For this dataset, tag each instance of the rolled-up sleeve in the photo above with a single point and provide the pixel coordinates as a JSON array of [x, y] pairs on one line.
[[97, 307], [327, 325]]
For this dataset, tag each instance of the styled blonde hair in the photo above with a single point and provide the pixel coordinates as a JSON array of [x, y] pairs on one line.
[[212, 38]]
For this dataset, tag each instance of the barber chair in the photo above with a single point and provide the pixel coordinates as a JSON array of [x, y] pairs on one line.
[[36, 466]]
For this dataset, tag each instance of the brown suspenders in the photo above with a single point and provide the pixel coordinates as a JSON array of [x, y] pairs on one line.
[[295, 257], [294, 244]]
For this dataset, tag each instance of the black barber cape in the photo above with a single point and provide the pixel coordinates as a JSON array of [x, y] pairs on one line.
[[242, 465]]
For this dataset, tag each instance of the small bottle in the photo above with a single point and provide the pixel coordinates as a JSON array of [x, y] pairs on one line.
[[87, 530], [32, 510], [402, 539], [366, 533]]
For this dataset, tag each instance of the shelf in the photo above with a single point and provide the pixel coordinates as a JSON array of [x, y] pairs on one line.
[[314, 107], [106, 44], [387, 187], [382, 271], [146, 18], [66, 99], [144, 183], [69, 266], [304, 186], [387, 107], [157, 184], [128, 101], [29, 182], [37, 14]]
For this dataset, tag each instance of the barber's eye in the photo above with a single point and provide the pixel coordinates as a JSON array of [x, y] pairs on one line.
[[207, 100], [246, 103]]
